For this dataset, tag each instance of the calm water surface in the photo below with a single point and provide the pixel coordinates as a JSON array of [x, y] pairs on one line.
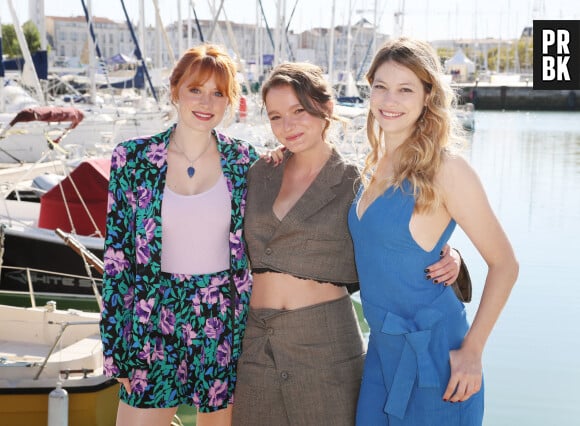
[[529, 164]]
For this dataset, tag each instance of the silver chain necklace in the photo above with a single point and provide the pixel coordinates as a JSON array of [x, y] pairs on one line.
[[191, 169]]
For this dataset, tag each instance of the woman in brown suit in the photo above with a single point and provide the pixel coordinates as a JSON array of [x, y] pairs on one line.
[[303, 352]]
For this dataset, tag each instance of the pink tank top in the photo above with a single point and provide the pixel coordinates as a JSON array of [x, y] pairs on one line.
[[196, 231]]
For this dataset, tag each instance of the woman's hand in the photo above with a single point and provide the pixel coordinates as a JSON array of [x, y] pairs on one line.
[[466, 375], [126, 383], [446, 270], [274, 155]]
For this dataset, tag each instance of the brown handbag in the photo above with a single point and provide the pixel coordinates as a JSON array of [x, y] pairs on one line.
[[462, 286]]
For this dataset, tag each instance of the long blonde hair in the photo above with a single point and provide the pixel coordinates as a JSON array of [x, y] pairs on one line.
[[421, 155]]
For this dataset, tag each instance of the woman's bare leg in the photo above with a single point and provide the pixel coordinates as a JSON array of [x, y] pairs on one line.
[[131, 416], [221, 417]]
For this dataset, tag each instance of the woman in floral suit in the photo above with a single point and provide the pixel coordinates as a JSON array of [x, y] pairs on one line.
[[176, 285]]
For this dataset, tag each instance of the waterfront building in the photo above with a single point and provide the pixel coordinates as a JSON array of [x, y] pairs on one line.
[[68, 38], [252, 45]]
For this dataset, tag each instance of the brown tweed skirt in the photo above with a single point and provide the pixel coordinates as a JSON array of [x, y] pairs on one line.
[[300, 367]]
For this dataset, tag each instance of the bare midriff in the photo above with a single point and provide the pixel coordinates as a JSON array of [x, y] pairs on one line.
[[282, 291]]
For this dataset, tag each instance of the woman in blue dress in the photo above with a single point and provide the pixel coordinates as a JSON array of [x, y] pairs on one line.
[[423, 365]]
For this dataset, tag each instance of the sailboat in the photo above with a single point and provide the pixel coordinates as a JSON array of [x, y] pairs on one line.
[[73, 197], [45, 347], [110, 119]]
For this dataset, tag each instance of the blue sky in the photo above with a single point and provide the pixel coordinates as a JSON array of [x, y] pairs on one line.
[[427, 19]]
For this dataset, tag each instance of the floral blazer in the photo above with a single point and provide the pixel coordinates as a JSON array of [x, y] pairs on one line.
[[133, 244]]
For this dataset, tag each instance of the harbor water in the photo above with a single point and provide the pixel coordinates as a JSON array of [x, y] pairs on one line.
[[529, 163]]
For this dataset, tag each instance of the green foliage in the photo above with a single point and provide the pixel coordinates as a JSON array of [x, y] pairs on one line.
[[10, 46], [9, 42], [32, 36]]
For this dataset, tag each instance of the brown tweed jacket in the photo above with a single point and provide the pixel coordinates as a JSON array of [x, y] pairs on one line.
[[312, 241]]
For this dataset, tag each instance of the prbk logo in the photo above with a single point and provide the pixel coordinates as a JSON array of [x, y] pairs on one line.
[[556, 55]]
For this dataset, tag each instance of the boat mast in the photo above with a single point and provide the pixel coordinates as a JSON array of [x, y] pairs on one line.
[[282, 29], [278, 35], [259, 43], [331, 47], [138, 52], [189, 9], [376, 25], [2, 99], [349, 39], [288, 44], [399, 19], [92, 47], [179, 29], [36, 14], [161, 28], [199, 31], [216, 16]]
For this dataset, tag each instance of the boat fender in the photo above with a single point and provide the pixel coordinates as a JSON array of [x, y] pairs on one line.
[[58, 406], [243, 109]]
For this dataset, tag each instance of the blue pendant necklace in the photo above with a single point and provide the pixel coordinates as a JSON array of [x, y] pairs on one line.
[[190, 169]]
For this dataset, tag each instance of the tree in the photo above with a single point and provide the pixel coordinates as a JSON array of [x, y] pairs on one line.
[[10, 46], [9, 42], [32, 36]]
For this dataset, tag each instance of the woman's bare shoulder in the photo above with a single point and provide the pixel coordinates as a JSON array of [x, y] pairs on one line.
[[455, 166]]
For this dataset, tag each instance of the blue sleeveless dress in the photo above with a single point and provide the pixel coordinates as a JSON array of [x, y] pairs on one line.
[[413, 322]]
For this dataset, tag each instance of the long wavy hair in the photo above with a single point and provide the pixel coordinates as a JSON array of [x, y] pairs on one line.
[[202, 62], [309, 85], [420, 156]]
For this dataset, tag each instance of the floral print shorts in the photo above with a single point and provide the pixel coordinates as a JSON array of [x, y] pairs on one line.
[[189, 345]]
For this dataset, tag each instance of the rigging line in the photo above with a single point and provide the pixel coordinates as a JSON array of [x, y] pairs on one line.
[[66, 207], [89, 259], [138, 52], [214, 24], [163, 32], [292, 57], [102, 63], [235, 47], [83, 204], [267, 26], [197, 22], [364, 61], [3, 151], [216, 27], [291, 15]]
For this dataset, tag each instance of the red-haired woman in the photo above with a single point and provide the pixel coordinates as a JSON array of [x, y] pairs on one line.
[[176, 285]]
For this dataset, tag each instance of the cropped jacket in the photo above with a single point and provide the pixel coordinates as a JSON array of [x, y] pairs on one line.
[[312, 241]]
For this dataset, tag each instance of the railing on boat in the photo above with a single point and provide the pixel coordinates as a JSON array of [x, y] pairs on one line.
[[30, 284], [63, 327], [89, 259]]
